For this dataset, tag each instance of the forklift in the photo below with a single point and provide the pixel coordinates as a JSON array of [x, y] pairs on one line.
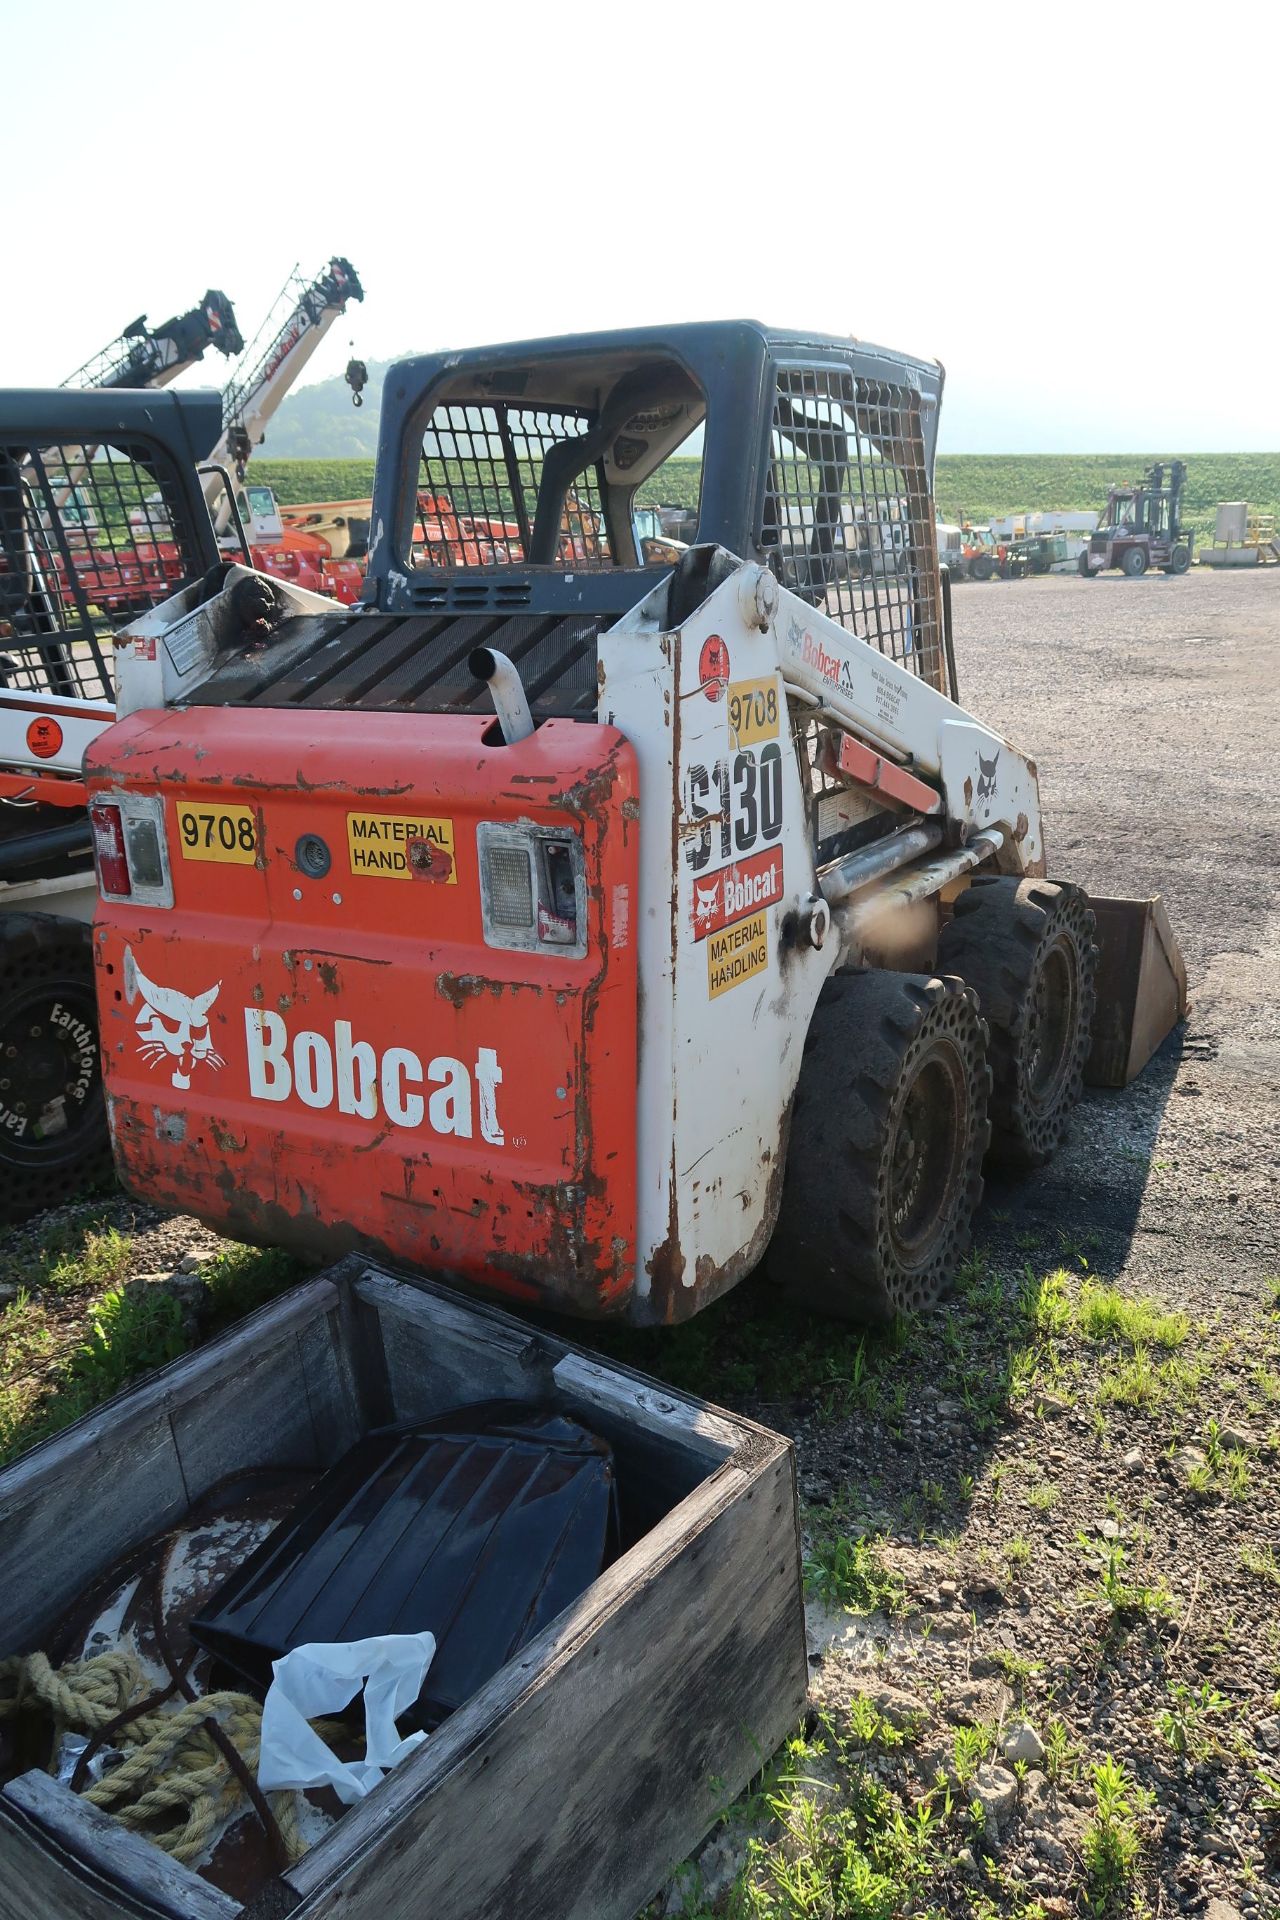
[[1142, 527]]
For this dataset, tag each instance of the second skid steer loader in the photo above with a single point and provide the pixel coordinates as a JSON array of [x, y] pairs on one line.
[[581, 929]]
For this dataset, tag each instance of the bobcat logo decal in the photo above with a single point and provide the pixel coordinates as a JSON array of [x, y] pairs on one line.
[[987, 776], [705, 901], [172, 1026]]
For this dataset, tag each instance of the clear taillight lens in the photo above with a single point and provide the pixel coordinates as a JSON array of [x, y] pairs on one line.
[[109, 851], [130, 850], [532, 890]]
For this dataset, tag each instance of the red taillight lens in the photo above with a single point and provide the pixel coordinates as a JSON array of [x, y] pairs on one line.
[[109, 851]]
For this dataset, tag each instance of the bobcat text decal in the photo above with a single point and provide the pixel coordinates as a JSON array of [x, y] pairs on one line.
[[348, 1073]]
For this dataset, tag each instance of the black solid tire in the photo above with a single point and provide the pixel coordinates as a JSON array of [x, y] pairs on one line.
[[50, 1068], [982, 567], [1083, 568], [888, 1133], [1179, 560], [1027, 949], [1135, 562]]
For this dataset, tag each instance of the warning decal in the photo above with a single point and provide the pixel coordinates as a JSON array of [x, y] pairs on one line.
[[736, 953], [393, 846]]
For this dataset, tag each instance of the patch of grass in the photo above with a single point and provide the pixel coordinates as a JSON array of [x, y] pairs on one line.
[[1112, 1843], [1262, 1561], [83, 1248], [1017, 1551], [1141, 1382], [1042, 1497], [1104, 1313], [240, 1278], [130, 1331], [852, 1574], [1018, 1672]]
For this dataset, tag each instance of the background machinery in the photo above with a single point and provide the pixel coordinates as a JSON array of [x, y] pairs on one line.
[[153, 357], [100, 515], [390, 886], [1142, 526]]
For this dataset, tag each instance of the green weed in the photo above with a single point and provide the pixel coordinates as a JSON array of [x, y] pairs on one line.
[[852, 1574], [1112, 1844]]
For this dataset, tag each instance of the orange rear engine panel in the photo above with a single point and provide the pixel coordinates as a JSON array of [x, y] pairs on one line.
[[316, 1045]]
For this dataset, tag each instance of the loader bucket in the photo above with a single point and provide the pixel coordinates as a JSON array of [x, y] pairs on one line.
[[1142, 988]]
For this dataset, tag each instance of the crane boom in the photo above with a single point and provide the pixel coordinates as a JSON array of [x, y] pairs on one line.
[[280, 350], [145, 356]]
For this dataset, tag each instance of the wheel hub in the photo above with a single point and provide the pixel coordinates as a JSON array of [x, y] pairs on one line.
[[926, 1152], [1051, 1020], [48, 1067]]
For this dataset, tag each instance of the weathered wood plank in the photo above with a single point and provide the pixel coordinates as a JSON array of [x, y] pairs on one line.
[[606, 1751], [442, 1352], [61, 1859], [619, 1402], [260, 1416]]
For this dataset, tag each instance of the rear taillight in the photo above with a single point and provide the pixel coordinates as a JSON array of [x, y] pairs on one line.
[[130, 850], [532, 888], [108, 851]]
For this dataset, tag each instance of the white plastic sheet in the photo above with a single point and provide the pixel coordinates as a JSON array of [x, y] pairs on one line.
[[316, 1680]]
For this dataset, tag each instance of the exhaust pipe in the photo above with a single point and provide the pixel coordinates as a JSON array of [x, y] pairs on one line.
[[506, 689]]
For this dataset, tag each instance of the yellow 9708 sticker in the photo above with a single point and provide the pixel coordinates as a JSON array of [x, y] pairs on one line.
[[218, 833], [753, 712]]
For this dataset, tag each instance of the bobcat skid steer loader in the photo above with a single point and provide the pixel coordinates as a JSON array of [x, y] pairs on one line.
[[580, 929]]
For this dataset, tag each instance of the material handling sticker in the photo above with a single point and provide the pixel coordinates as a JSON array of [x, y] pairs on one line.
[[736, 953], [226, 834], [402, 846], [753, 712]]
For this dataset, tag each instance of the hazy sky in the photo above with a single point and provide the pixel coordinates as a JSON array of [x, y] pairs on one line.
[[1074, 211]]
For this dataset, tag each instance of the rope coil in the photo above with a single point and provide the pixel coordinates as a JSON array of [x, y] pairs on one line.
[[175, 1784]]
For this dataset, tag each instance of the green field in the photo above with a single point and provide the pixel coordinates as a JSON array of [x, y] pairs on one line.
[[972, 485]]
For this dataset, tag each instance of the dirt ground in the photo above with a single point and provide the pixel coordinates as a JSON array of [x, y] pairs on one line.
[[1153, 709]]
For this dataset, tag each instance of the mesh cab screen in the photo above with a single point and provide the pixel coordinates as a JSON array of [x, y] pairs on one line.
[[847, 508], [500, 486], [86, 542]]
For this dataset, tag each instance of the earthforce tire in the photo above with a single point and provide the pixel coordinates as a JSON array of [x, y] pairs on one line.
[[1027, 949], [1135, 562], [982, 567], [53, 1123], [888, 1132]]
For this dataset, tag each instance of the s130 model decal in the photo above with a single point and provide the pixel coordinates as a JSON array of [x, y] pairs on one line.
[[739, 802]]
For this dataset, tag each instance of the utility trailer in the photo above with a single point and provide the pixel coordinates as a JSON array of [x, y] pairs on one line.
[[581, 930], [100, 515]]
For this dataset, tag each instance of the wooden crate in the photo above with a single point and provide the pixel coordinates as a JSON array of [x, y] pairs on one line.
[[588, 1767]]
